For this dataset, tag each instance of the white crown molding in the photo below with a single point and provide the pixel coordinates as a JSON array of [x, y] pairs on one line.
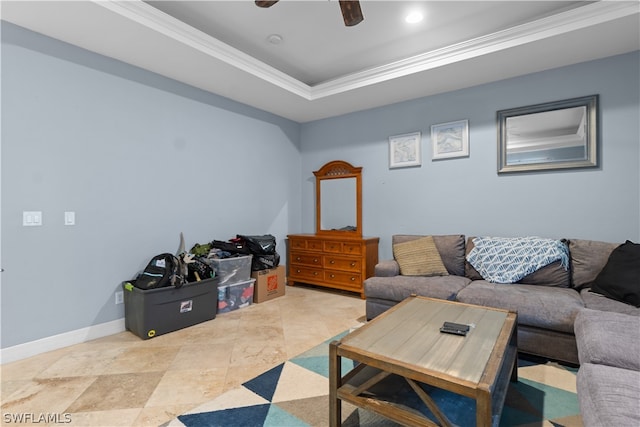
[[572, 20], [565, 22]]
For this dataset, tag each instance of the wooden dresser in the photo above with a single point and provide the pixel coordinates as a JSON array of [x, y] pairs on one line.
[[332, 261]]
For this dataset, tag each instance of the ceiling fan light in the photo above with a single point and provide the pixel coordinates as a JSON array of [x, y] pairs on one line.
[[265, 3], [351, 12]]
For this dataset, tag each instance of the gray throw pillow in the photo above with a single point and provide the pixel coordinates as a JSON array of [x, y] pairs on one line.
[[588, 257]]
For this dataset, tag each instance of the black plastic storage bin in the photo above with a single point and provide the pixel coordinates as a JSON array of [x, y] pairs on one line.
[[152, 312]]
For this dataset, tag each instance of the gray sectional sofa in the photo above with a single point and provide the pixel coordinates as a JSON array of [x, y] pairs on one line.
[[608, 380], [559, 317]]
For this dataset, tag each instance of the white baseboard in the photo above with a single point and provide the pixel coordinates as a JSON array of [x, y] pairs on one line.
[[28, 349]]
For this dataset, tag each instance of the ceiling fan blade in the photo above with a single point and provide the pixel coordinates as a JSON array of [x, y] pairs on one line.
[[351, 12], [265, 3]]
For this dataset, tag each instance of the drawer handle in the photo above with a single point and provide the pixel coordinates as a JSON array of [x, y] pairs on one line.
[[297, 271], [315, 260], [353, 279], [353, 264], [332, 276], [298, 258], [315, 273], [332, 261]]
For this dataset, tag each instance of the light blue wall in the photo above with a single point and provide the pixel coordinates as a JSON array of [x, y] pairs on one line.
[[139, 158], [466, 195]]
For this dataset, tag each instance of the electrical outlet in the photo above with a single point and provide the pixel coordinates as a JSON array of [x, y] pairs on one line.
[[119, 297]]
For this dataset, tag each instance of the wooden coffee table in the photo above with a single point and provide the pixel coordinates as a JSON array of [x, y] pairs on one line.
[[406, 342]]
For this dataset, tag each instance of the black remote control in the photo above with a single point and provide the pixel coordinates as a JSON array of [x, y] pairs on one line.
[[454, 328], [459, 326]]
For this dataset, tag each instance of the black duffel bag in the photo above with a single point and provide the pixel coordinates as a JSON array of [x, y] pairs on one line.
[[265, 262], [260, 245]]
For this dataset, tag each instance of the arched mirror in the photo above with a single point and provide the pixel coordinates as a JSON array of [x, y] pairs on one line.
[[339, 199]]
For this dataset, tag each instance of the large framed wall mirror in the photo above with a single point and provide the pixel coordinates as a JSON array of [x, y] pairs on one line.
[[339, 199], [553, 135]]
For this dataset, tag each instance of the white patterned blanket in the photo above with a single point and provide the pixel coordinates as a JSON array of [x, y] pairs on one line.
[[509, 259]]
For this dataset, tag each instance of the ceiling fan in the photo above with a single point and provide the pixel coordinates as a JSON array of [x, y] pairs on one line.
[[351, 12]]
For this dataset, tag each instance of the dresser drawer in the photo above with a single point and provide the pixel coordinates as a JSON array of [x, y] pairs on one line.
[[306, 258], [343, 278], [314, 245], [301, 273], [333, 247], [297, 243], [351, 248], [342, 263]]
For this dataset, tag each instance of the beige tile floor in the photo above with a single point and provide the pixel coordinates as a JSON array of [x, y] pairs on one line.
[[121, 380]]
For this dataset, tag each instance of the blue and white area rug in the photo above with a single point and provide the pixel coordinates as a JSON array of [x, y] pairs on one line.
[[295, 394]]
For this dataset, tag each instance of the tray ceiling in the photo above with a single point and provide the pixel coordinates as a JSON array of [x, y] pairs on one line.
[[298, 60]]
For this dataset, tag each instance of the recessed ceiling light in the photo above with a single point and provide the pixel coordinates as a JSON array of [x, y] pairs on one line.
[[414, 17], [274, 38]]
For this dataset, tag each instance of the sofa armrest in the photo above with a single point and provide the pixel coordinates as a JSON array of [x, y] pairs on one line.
[[387, 268]]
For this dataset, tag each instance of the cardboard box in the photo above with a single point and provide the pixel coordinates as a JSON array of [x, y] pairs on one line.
[[153, 312], [269, 284]]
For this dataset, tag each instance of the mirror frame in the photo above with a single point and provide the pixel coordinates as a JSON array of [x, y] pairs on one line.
[[591, 135], [339, 169]]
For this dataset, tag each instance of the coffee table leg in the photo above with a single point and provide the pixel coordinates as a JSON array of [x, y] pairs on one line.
[[335, 379], [483, 409], [514, 344]]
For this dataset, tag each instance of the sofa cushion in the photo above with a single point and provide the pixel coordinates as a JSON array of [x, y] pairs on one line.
[[553, 274], [608, 338], [588, 257], [620, 277], [419, 257], [600, 302], [400, 287], [548, 344], [608, 396], [450, 247], [539, 306]]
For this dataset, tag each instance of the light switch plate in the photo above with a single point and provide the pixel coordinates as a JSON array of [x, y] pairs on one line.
[[31, 218], [69, 218]]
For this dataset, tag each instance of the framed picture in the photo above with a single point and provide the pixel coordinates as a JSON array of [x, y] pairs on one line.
[[450, 140], [404, 150]]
